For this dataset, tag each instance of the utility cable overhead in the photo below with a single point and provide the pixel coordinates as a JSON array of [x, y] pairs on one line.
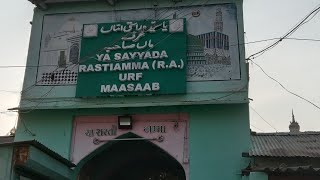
[[306, 19], [284, 37], [263, 119], [5, 112], [251, 42], [221, 98], [84, 59], [256, 128], [33, 108], [99, 50], [8, 91], [46, 94], [283, 87]]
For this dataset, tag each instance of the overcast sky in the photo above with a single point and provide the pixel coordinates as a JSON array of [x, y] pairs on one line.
[[293, 63]]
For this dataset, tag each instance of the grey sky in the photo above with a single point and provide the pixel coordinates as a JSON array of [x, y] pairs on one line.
[[294, 63], [15, 31]]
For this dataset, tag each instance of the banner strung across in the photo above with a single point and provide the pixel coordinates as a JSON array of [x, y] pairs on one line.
[[133, 58]]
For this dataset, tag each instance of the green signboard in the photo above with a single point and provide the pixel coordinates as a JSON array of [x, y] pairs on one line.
[[133, 58]]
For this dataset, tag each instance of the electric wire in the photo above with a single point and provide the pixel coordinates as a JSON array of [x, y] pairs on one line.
[[42, 97], [8, 91], [167, 9], [34, 108], [45, 95], [285, 88], [103, 49], [84, 59], [252, 42], [5, 112], [26, 129], [218, 99], [280, 39], [306, 19], [263, 118], [256, 127], [40, 101]]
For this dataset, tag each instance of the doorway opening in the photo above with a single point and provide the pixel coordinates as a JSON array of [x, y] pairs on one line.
[[130, 160]]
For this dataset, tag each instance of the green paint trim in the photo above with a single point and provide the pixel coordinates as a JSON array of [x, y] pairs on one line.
[[199, 92], [227, 126], [236, 97]]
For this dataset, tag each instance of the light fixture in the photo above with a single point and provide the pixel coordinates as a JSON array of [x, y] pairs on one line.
[[124, 122]]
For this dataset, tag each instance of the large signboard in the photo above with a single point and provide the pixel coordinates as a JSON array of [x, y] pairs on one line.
[[133, 58], [212, 41]]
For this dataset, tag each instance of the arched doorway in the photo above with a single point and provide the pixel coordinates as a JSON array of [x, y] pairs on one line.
[[130, 160]]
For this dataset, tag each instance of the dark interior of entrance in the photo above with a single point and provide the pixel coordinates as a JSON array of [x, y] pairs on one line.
[[132, 160]]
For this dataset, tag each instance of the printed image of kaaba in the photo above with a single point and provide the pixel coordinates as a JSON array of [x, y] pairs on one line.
[[208, 53]]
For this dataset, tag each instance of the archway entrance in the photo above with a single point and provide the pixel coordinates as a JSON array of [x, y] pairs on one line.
[[130, 160]]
